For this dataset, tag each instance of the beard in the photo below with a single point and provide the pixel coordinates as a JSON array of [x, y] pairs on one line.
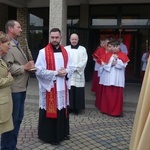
[[55, 44]]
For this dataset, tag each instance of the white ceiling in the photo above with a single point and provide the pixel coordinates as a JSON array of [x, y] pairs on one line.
[[39, 3]]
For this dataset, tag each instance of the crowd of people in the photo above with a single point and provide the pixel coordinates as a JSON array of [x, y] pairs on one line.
[[60, 73], [18, 66], [109, 76]]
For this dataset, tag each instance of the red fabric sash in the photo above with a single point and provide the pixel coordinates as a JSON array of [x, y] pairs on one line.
[[99, 52], [123, 57], [106, 57], [51, 97]]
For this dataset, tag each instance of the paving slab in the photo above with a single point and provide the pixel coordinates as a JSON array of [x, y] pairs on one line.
[[90, 130]]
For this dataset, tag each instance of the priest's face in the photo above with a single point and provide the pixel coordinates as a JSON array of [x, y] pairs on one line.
[[55, 38], [74, 39]]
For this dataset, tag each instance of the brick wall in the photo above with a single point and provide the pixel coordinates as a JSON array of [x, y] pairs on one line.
[[22, 19], [3, 16]]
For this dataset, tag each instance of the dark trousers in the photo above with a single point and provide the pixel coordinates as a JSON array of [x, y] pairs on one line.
[[9, 139]]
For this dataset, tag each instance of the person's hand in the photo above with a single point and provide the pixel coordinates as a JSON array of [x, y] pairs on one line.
[[114, 63], [62, 72], [115, 56], [9, 74], [29, 65]]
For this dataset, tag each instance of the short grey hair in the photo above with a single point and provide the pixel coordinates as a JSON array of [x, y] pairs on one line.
[[10, 23]]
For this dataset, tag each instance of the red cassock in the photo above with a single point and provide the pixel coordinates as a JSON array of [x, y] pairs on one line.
[[98, 96], [95, 81], [97, 56], [112, 100]]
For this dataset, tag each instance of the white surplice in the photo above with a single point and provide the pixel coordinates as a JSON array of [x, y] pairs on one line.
[[112, 75], [79, 57], [47, 78]]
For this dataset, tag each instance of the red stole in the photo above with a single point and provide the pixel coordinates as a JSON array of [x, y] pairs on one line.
[[51, 97]]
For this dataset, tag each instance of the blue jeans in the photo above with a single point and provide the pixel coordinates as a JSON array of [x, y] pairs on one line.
[[9, 139]]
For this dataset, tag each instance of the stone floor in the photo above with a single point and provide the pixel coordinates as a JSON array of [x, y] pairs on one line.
[[90, 130]]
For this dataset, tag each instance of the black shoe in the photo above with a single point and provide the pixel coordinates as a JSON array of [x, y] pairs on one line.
[[54, 143], [67, 137], [76, 112], [70, 111]]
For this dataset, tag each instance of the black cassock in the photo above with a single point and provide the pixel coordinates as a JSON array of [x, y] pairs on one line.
[[53, 130]]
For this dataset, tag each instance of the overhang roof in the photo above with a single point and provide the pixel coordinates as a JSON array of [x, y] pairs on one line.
[[39, 3]]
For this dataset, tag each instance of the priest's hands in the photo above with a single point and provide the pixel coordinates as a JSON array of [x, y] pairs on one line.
[[62, 72]]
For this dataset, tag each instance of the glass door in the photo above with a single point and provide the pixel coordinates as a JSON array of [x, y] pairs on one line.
[[38, 33]]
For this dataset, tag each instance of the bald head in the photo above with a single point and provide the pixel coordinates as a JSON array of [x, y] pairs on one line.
[[74, 39]]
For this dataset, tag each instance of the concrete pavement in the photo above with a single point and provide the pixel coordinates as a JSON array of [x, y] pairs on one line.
[[90, 130]]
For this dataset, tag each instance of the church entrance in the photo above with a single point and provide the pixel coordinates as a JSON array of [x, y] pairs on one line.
[[136, 42]]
